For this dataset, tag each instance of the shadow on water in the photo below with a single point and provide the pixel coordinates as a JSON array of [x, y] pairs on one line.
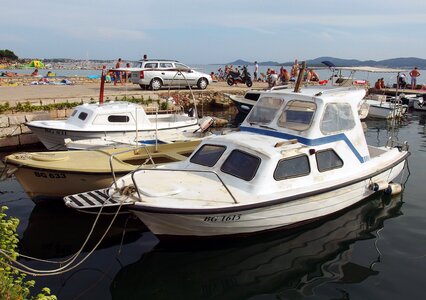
[[56, 231], [277, 264]]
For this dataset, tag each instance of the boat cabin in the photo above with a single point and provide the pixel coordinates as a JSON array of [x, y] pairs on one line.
[[289, 135], [121, 113]]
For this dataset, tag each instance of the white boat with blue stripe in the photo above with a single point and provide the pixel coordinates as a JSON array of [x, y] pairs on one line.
[[299, 156]]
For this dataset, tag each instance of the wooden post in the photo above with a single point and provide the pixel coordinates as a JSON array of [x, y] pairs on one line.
[[300, 77], [101, 90]]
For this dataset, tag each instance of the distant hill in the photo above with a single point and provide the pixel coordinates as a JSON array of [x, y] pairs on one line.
[[401, 62], [240, 62]]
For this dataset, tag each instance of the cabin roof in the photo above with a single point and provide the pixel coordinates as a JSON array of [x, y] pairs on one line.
[[319, 92]]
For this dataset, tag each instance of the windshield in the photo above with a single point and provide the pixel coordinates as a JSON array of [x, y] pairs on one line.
[[297, 115], [265, 110]]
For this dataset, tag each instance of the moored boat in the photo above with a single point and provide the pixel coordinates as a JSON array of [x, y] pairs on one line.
[[299, 156], [419, 103], [53, 175], [112, 119], [380, 108]]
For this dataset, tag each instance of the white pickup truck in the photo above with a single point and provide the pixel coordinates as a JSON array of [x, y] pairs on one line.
[[155, 74]]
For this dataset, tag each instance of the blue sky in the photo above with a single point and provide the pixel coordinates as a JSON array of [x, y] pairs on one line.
[[219, 31]]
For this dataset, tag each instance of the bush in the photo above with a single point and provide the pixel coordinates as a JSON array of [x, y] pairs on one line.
[[12, 282]]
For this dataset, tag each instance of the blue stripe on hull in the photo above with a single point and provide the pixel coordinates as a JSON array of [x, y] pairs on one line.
[[306, 141]]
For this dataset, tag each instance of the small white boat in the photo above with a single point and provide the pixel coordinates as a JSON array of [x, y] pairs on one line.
[[380, 108], [299, 156], [419, 103], [244, 103], [112, 119]]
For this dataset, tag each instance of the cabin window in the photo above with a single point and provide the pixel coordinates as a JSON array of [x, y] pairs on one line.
[[292, 167], [337, 117], [265, 110], [82, 116], [118, 119], [73, 113], [208, 155], [252, 96], [328, 160], [241, 164], [297, 115]]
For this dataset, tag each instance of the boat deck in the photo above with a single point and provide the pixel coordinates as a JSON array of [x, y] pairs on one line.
[[92, 199]]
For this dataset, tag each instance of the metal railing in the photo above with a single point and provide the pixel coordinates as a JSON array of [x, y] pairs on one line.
[[113, 156]]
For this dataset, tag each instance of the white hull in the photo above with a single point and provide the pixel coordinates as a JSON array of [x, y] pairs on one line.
[[55, 139], [417, 105], [286, 214], [385, 110]]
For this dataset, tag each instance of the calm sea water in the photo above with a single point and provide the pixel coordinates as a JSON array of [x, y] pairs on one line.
[[376, 250]]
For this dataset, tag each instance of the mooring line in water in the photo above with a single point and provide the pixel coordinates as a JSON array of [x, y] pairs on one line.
[[68, 262]]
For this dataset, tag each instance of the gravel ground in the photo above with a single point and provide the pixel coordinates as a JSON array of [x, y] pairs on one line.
[[12, 94]]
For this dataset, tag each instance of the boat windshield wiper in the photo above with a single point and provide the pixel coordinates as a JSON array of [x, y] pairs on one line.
[[267, 127]]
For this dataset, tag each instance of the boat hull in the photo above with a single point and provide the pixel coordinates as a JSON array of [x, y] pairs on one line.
[[283, 213], [418, 105], [53, 175], [48, 184], [54, 139], [386, 112]]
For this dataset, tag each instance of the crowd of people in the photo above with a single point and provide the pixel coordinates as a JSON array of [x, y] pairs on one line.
[[116, 76], [271, 76]]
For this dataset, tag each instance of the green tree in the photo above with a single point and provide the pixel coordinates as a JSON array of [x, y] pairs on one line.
[[8, 54]]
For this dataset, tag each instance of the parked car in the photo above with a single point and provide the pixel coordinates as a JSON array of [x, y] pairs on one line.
[[155, 74]]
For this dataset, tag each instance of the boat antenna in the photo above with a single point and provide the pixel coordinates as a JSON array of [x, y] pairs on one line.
[[300, 77], [101, 90]]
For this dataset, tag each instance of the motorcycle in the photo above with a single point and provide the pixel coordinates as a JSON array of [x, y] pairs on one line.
[[237, 77]]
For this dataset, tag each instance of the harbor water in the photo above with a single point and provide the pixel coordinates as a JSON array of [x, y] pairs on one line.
[[374, 250]]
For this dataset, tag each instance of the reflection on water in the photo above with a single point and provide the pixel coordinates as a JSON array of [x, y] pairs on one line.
[[276, 264], [56, 231], [378, 131]]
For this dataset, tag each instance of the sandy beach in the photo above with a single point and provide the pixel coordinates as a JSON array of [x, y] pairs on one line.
[[13, 94]]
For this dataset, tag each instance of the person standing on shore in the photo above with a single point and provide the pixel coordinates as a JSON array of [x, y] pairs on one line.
[[294, 70], [414, 74], [118, 73], [256, 70]]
